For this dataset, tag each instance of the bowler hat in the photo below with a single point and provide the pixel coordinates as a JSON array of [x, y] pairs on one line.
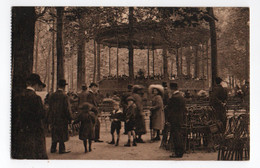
[[164, 84], [130, 98], [62, 82], [35, 79], [218, 80], [173, 86], [84, 87], [93, 84]]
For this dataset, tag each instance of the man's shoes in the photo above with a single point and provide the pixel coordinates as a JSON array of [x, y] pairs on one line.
[[139, 140], [53, 151], [63, 152], [134, 143], [112, 142], [117, 142], [156, 138], [127, 144], [97, 140], [175, 156]]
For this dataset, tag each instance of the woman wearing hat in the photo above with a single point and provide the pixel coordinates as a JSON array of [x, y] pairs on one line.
[[157, 113], [28, 140], [140, 122]]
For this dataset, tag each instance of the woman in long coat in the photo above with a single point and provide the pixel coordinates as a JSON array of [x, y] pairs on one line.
[[140, 122], [157, 110], [28, 139], [87, 126]]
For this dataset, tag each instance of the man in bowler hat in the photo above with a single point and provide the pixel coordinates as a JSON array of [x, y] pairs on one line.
[[59, 117], [27, 138], [176, 112], [92, 99]]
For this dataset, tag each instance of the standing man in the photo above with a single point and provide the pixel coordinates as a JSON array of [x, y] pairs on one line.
[[176, 112], [59, 117], [92, 99], [218, 100], [28, 139]]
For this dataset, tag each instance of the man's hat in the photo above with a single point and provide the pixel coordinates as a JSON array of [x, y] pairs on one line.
[[218, 80], [164, 84], [130, 98], [93, 84], [35, 78], [84, 87], [173, 86], [62, 82]]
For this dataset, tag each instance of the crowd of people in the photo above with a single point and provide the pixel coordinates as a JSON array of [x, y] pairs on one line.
[[167, 114]]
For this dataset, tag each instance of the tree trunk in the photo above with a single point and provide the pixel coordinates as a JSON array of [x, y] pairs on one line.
[[53, 57], [165, 64], [196, 68], [188, 58], [23, 30], [117, 59], [59, 44], [95, 60], [98, 62], [109, 61], [148, 63], [177, 62], [247, 62], [214, 59], [130, 45], [153, 62], [181, 60], [38, 25]]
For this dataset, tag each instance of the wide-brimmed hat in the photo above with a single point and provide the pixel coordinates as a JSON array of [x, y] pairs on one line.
[[62, 82], [85, 106], [156, 86], [130, 98], [35, 78], [93, 84]]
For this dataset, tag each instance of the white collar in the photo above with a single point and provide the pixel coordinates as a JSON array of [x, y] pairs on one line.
[[30, 88]]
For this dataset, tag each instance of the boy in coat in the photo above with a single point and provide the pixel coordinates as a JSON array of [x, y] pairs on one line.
[[86, 130], [116, 117]]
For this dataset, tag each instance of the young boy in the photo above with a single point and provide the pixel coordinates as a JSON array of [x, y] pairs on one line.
[[87, 126], [116, 117], [130, 120]]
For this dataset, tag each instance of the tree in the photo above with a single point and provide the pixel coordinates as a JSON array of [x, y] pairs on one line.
[[23, 29], [59, 44]]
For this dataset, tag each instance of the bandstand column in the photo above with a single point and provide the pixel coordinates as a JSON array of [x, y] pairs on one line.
[[148, 63], [165, 63]]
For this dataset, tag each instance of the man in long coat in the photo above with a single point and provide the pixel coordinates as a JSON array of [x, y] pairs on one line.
[[218, 100], [92, 99], [176, 116], [28, 139], [140, 122], [59, 117]]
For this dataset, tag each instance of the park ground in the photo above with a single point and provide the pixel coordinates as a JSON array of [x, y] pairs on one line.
[[105, 151]]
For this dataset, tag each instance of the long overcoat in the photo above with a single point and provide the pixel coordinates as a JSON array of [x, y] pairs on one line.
[[28, 139], [59, 116], [82, 97], [92, 99], [140, 122], [87, 125], [157, 113], [217, 98], [176, 110]]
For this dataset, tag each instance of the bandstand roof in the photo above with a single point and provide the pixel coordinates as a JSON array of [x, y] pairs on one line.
[[152, 36]]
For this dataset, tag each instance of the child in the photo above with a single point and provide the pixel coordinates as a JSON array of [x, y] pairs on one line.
[[116, 117], [130, 120], [87, 119]]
